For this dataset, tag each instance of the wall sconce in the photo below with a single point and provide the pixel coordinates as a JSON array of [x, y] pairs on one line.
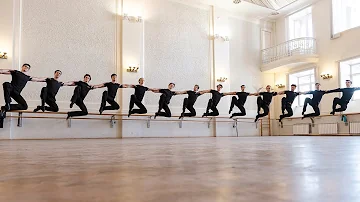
[[222, 79], [3, 55], [132, 69], [224, 38], [132, 18], [280, 86], [326, 76]]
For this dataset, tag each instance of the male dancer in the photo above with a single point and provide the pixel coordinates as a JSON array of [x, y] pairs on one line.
[[287, 101], [110, 94], [13, 89], [264, 102], [239, 102], [137, 98], [314, 102], [189, 102], [347, 94], [81, 90], [49, 92], [165, 100], [214, 101]]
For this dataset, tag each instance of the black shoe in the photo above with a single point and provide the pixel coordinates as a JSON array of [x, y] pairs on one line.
[[332, 113], [37, 109], [7, 106], [303, 113], [181, 116], [71, 105], [156, 114], [203, 115], [230, 111], [3, 112], [68, 116], [232, 116], [302, 117], [256, 119], [129, 114], [101, 110]]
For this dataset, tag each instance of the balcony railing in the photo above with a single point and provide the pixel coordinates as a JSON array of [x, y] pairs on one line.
[[300, 46]]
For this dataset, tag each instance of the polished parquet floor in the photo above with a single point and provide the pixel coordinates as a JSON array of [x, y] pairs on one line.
[[269, 169]]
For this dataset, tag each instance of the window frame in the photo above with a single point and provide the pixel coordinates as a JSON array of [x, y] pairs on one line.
[[334, 35], [311, 84], [351, 76], [287, 21]]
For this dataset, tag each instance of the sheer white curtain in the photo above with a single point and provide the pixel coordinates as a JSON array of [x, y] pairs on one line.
[[346, 15]]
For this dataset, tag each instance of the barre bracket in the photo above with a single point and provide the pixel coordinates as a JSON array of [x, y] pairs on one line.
[[312, 121], [181, 122], [235, 123], [148, 122], [112, 121], [69, 122], [20, 119], [209, 122]]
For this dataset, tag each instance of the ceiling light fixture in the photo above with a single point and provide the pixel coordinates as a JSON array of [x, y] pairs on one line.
[[275, 13], [236, 1]]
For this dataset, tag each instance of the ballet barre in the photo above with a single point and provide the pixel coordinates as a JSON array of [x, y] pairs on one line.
[[344, 118], [113, 117]]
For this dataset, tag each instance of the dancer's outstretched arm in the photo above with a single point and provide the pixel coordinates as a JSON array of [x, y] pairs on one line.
[[38, 79]]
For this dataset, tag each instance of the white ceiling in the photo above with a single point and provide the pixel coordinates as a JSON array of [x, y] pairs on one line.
[[249, 10]]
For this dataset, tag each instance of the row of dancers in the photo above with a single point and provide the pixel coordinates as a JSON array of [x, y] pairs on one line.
[[13, 89]]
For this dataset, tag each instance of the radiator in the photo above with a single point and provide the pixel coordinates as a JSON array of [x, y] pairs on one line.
[[328, 128], [301, 129], [354, 128]]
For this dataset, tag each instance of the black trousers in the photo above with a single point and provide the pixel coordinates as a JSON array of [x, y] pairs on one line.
[[212, 106], [10, 93], [285, 105], [343, 105], [45, 98], [113, 104], [235, 102], [190, 106], [314, 105], [135, 101], [76, 98], [163, 105], [264, 106]]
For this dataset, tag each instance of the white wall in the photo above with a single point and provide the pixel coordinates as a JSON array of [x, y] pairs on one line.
[[6, 36], [176, 49], [77, 37], [170, 45], [329, 51]]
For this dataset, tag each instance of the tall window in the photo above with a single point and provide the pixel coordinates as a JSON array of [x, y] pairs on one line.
[[346, 15], [300, 24], [350, 69], [305, 81]]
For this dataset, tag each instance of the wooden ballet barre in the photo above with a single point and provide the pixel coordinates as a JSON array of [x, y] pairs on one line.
[[113, 118], [323, 115], [317, 117]]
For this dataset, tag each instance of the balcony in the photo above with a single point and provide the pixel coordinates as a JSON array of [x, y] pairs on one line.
[[293, 53]]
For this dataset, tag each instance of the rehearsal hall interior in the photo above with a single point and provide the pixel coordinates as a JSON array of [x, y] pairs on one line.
[[180, 100]]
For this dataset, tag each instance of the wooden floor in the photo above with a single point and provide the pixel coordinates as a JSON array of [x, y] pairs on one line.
[[269, 169]]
